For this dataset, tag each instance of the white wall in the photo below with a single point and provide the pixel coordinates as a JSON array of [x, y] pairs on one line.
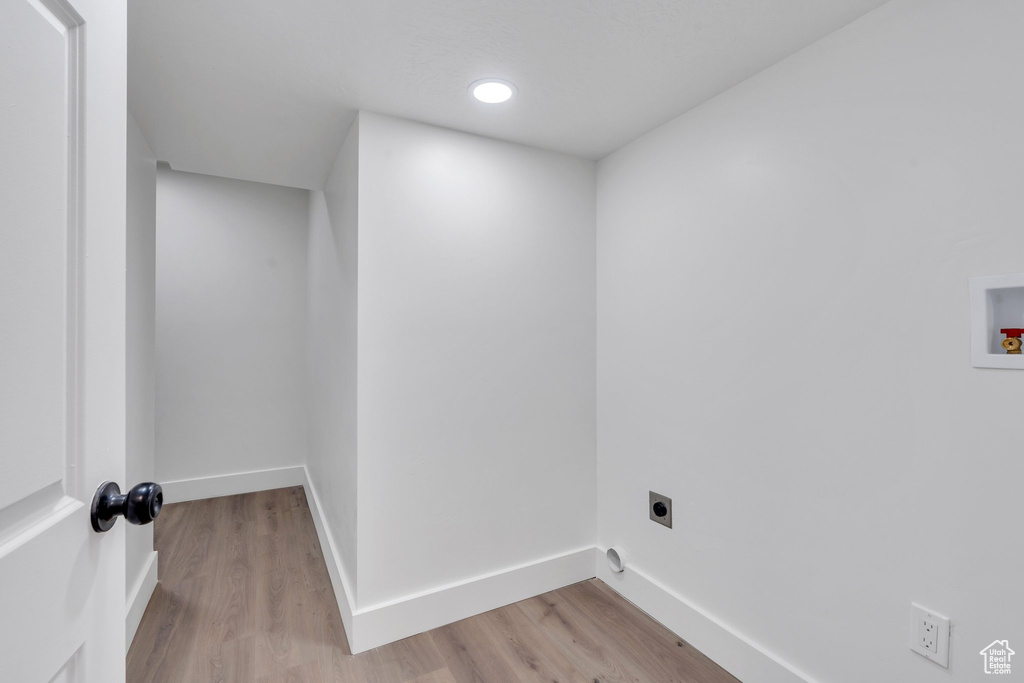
[[784, 345], [230, 325], [331, 347], [140, 347], [476, 365]]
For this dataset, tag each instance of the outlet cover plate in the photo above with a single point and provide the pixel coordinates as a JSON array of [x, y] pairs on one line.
[[665, 519], [929, 630]]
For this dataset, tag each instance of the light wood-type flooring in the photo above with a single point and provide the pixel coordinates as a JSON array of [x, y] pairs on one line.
[[244, 596]]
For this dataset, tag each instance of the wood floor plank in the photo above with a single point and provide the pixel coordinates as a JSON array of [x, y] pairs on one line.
[[530, 655], [624, 614], [471, 657], [332, 653], [409, 659], [286, 635], [226, 662], [579, 641], [245, 596], [172, 633], [641, 639], [361, 667], [189, 555], [440, 676], [268, 519], [235, 661], [233, 569], [173, 520], [305, 673], [314, 568]]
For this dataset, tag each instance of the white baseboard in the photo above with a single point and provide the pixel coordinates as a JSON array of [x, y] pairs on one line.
[[233, 484], [145, 584], [335, 566], [265, 480], [735, 652], [382, 624], [378, 625]]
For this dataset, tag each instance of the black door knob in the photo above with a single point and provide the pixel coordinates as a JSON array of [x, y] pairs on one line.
[[140, 505]]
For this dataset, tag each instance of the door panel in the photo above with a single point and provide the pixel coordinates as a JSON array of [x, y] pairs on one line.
[[62, 223], [44, 562], [33, 261]]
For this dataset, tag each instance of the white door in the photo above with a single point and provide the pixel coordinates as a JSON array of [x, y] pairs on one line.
[[62, 337]]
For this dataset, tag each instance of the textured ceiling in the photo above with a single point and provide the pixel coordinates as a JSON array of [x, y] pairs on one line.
[[265, 89]]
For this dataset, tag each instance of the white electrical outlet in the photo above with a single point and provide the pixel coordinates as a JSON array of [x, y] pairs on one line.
[[929, 635]]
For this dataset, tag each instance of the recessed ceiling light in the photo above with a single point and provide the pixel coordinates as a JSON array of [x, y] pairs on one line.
[[492, 90]]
